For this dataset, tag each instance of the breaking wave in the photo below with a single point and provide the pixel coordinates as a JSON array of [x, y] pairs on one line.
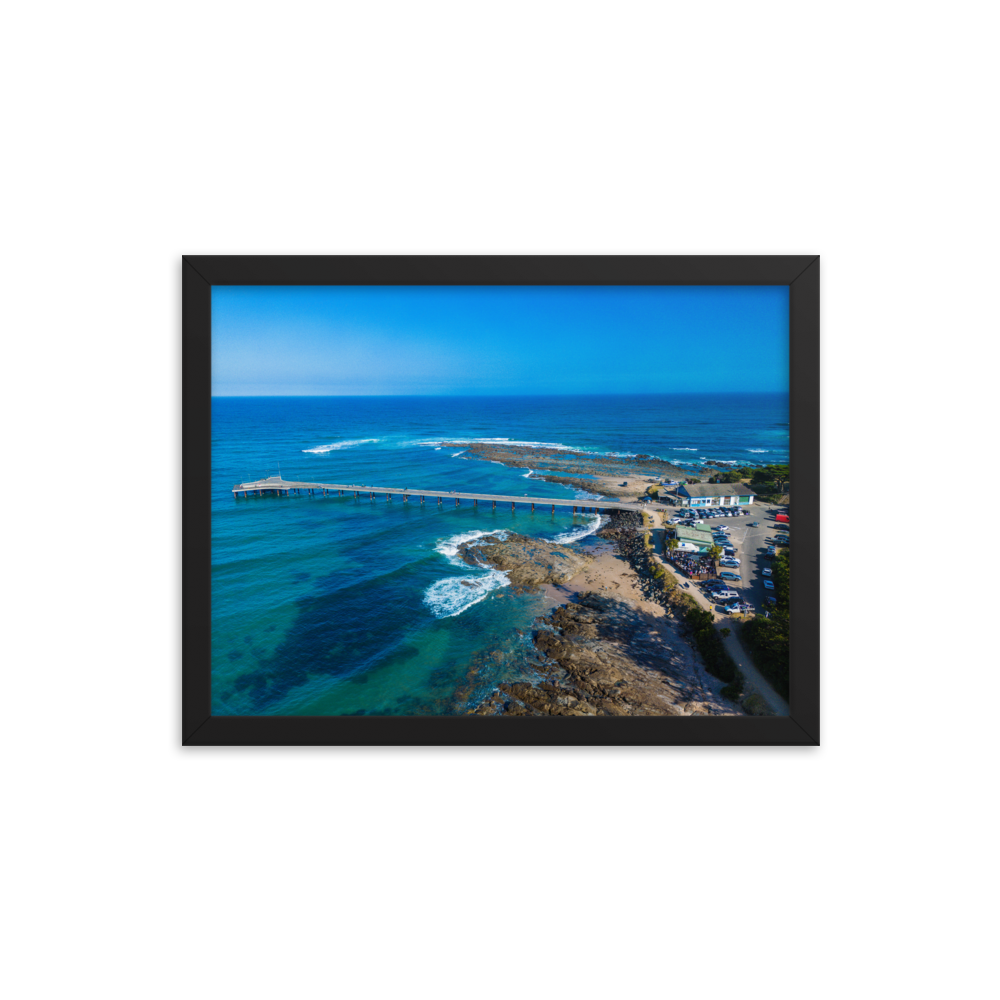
[[580, 531], [454, 594], [325, 449]]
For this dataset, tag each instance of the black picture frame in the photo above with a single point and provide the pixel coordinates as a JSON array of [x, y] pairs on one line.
[[201, 728]]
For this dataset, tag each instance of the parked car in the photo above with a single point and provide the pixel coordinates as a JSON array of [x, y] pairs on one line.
[[754, 524], [766, 571], [769, 584], [770, 600], [729, 561], [731, 576]]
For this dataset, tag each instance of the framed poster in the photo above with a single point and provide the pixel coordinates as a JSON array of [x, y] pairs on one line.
[[500, 500]]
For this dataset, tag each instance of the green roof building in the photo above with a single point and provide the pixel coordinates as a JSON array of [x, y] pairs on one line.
[[695, 539]]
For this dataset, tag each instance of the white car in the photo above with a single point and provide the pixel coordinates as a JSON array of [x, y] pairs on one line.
[[731, 561], [766, 571]]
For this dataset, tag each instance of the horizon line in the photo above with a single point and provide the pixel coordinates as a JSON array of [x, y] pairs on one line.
[[482, 395]]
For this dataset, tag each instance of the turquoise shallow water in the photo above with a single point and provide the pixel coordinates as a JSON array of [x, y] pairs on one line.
[[329, 606]]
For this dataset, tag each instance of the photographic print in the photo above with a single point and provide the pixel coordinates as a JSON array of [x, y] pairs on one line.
[[499, 502]]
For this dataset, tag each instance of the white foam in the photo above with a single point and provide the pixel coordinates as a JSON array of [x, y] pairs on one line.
[[529, 444], [528, 474], [437, 449], [448, 547], [584, 495], [684, 449], [579, 531], [452, 596], [325, 449], [457, 453], [759, 451]]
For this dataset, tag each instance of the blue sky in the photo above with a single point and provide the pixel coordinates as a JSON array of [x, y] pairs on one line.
[[432, 340]]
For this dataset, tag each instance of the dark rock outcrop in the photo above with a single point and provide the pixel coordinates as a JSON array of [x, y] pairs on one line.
[[528, 562]]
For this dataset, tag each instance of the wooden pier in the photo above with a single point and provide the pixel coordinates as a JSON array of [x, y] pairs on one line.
[[275, 485]]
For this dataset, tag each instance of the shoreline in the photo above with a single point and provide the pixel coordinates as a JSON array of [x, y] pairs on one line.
[[608, 649]]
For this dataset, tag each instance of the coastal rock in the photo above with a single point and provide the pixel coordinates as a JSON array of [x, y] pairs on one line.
[[564, 460], [528, 562]]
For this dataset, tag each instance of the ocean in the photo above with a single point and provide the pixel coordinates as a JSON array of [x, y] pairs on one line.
[[337, 606]]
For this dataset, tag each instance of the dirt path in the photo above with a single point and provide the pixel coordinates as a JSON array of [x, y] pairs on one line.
[[755, 680]]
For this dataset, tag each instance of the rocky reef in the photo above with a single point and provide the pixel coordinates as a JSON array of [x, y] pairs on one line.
[[602, 657], [528, 562], [564, 461]]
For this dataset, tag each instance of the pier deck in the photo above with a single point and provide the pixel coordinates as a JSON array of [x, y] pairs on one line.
[[275, 484]]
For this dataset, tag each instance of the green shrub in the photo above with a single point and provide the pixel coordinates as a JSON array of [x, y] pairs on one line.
[[734, 690], [717, 660], [766, 639]]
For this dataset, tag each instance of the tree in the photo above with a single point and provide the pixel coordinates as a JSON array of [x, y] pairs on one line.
[[672, 544], [781, 567], [714, 552]]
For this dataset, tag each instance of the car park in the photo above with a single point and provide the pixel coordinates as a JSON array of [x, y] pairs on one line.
[[769, 584]]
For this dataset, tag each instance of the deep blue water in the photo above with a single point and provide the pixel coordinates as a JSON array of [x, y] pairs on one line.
[[328, 605]]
